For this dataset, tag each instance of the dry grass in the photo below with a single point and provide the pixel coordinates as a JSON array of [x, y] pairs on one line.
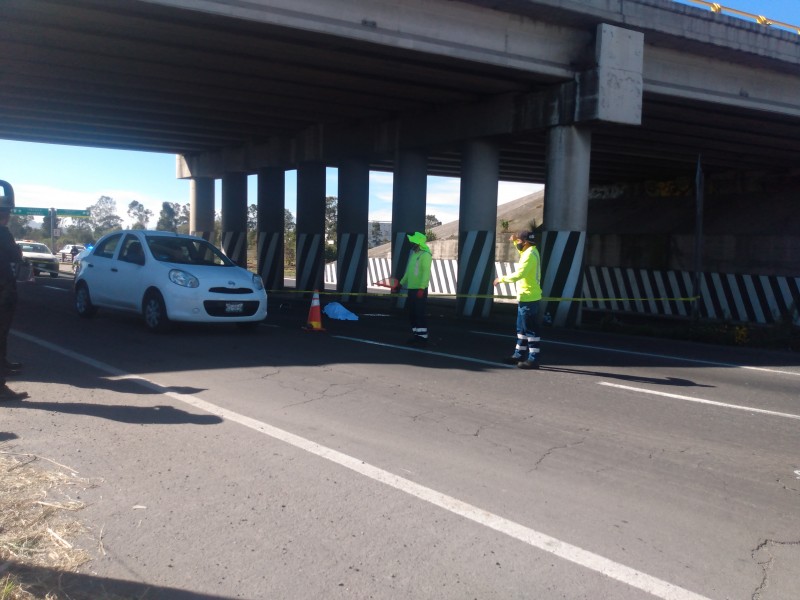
[[38, 522]]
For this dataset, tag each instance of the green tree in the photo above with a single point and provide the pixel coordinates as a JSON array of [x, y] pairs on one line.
[[182, 212], [104, 216], [431, 221], [19, 226], [48, 225], [331, 220], [168, 217], [376, 235], [289, 241], [139, 214]]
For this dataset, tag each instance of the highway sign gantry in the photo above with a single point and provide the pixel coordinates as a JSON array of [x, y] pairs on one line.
[[43, 212]]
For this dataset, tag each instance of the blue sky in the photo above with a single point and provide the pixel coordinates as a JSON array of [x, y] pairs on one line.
[[52, 176], [47, 175]]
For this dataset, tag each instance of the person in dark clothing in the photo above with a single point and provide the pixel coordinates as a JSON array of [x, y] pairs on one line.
[[10, 257]]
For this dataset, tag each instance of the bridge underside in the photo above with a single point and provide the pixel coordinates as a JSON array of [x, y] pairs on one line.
[[135, 75]]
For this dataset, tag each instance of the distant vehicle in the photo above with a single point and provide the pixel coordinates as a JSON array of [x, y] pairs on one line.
[[167, 277], [68, 248], [40, 256]]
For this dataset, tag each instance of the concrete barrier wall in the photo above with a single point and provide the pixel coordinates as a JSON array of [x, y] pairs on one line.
[[723, 296], [732, 297]]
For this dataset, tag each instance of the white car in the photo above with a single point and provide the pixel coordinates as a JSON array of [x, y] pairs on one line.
[[40, 257], [167, 277]]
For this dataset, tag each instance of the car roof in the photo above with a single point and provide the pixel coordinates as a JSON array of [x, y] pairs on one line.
[[157, 233]]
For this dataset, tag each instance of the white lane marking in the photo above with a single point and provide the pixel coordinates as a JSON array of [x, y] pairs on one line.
[[422, 351], [653, 355], [701, 401], [584, 558]]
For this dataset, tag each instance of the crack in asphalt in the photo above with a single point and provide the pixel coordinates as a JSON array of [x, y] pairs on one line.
[[553, 449], [767, 547]]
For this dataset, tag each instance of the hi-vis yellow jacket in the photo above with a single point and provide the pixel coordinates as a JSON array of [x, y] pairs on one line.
[[527, 276]]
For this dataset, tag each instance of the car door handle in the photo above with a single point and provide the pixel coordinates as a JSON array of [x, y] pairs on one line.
[[113, 269]]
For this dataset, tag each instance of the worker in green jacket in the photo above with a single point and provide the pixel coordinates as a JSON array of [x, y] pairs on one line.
[[415, 280], [526, 278]]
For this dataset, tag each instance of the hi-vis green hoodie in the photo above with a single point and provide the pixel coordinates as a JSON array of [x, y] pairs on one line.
[[418, 271]]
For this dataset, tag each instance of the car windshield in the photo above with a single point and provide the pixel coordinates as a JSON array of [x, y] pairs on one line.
[[186, 251], [38, 248]]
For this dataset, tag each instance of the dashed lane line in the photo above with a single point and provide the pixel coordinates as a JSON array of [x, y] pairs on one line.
[[574, 554]]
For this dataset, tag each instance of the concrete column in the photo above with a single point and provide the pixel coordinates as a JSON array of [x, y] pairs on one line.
[[352, 228], [480, 169], [566, 206], [410, 187], [234, 217], [201, 207], [270, 226], [310, 226]]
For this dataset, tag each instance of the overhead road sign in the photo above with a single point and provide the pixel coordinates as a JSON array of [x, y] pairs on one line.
[[43, 212], [72, 213], [23, 210]]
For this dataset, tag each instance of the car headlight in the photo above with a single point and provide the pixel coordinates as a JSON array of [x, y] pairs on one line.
[[258, 283], [183, 278]]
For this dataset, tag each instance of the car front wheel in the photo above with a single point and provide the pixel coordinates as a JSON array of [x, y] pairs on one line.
[[83, 301], [154, 312]]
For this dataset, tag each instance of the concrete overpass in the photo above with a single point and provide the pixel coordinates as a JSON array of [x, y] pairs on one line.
[[568, 93]]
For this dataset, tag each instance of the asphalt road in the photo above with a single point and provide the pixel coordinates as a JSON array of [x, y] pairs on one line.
[[343, 464]]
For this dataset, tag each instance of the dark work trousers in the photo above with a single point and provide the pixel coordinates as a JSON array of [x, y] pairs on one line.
[[417, 301], [8, 304], [526, 336]]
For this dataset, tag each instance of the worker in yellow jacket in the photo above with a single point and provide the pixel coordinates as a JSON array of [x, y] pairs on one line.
[[415, 280], [526, 277]]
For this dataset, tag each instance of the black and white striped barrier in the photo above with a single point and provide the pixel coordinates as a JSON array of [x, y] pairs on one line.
[[760, 299], [270, 258], [743, 298]]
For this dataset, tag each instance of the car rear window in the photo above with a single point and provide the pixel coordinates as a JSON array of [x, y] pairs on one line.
[[39, 248]]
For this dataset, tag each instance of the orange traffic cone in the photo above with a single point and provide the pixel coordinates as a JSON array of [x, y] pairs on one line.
[[314, 314]]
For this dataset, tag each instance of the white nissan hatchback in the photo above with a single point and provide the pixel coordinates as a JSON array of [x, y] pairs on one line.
[[167, 277]]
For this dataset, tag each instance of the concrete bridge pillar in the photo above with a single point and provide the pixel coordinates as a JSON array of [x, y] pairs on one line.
[[234, 217], [410, 186], [201, 207], [310, 226], [477, 225], [352, 224], [270, 226], [566, 206]]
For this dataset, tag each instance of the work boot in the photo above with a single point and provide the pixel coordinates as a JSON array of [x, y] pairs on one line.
[[9, 395], [514, 359], [531, 363]]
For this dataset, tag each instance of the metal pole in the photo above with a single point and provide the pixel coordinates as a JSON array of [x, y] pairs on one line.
[[52, 228], [698, 237]]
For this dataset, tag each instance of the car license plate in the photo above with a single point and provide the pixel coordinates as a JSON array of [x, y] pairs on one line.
[[234, 307]]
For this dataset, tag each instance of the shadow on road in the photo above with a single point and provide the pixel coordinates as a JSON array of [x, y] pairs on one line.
[[146, 415], [79, 586], [674, 381]]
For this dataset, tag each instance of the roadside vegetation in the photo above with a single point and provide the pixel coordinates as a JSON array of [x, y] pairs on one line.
[[39, 522]]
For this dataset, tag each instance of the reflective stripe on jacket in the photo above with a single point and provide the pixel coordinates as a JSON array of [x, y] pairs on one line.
[[527, 276]]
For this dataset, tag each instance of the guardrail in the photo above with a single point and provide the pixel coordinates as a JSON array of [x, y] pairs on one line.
[[715, 7]]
